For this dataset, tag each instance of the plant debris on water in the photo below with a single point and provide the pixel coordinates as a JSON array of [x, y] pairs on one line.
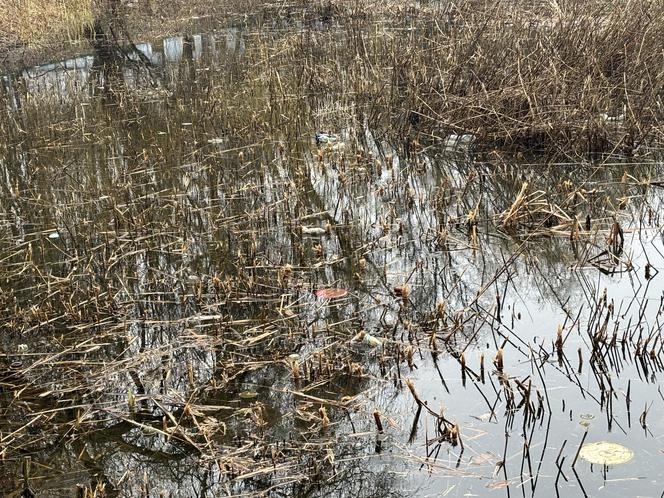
[[331, 249], [606, 453], [331, 293]]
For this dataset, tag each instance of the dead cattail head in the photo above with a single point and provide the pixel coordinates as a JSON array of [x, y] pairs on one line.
[[433, 343], [441, 309], [324, 419], [482, 367], [411, 388], [498, 360], [402, 291], [559, 337], [410, 351], [378, 421], [453, 435]]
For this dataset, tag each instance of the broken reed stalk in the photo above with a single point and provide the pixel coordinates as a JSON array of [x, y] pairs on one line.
[[377, 420], [422, 404], [482, 368], [559, 338], [26, 471], [578, 450]]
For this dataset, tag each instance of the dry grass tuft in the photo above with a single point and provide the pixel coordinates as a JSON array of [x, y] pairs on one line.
[[40, 22]]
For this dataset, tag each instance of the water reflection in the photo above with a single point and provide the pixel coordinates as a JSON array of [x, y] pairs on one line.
[[70, 79], [160, 332]]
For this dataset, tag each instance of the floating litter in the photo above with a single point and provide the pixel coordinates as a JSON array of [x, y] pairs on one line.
[[313, 231], [324, 138], [368, 339]]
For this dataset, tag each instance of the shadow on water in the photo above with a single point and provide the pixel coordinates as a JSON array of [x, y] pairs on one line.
[[167, 218]]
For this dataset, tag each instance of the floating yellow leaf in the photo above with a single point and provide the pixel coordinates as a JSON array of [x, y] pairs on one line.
[[248, 394], [606, 453], [331, 293]]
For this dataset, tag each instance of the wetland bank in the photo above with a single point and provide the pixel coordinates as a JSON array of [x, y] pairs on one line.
[[346, 249]]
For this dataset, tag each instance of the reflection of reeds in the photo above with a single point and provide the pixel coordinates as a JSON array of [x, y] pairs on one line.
[[159, 249]]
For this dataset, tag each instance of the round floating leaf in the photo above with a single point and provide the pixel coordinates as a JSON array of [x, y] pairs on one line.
[[606, 453], [331, 293]]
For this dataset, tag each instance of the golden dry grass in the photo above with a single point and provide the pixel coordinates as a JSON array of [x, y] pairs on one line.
[[39, 22]]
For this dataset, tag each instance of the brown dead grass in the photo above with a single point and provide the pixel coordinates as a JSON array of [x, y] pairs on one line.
[[40, 22], [30, 26]]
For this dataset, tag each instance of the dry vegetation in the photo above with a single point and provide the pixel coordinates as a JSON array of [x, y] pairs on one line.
[[32, 31], [43, 22], [163, 238], [582, 77], [568, 77]]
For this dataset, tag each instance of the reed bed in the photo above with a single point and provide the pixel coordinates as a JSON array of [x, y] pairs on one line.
[[571, 78], [196, 293]]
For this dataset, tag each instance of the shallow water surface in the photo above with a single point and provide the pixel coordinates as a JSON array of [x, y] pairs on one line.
[[167, 219]]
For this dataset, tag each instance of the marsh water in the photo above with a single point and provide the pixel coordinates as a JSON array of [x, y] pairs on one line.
[[168, 218]]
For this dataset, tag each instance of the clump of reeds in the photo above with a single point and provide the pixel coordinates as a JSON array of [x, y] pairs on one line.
[[43, 22], [562, 77]]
